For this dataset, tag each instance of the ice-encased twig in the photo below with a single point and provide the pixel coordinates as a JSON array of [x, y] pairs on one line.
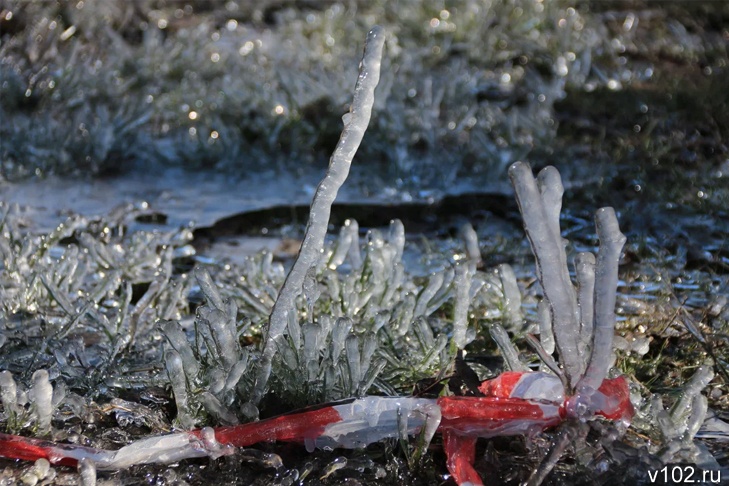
[[585, 271], [341, 248], [682, 409], [539, 206], [606, 282], [568, 435], [512, 298], [546, 336], [547, 359], [355, 255], [507, 348], [355, 124], [680, 425], [462, 283]]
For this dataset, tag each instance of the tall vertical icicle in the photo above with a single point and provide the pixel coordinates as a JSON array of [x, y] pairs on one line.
[[355, 124], [540, 204], [606, 282]]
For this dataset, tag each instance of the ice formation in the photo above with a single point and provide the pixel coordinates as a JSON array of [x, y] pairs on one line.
[[341, 353], [582, 329], [355, 125]]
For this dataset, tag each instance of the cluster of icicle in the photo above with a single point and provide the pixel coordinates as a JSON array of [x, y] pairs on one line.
[[344, 320], [366, 294], [70, 284], [579, 323]]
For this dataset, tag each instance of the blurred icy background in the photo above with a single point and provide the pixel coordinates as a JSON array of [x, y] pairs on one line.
[[102, 87]]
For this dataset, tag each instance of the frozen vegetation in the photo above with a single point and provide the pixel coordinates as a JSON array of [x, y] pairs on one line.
[[97, 87], [91, 311]]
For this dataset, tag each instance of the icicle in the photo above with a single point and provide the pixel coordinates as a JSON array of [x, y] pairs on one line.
[[539, 206], [355, 254], [435, 282], [41, 395], [216, 380], [432, 413], [473, 252], [403, 315], [546, 337], [606, 282], [176, 374], [681, 410], [177, 339], [512, 298], [432, 354], [397, 277], [443, 294], [372, 373], [337, 464], [396, 238], [460, 309], [369, 346], [354, 362], [209, 289], [402, 424], [225, 338], [326, 192], [341, 248], [381, 318], [236, 372], [585, 270], [294, 330], [699, 407], [339, 335], [59, 394], [311, 333], [424, 333], [287, 354], [155, 288], [311, 289]]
